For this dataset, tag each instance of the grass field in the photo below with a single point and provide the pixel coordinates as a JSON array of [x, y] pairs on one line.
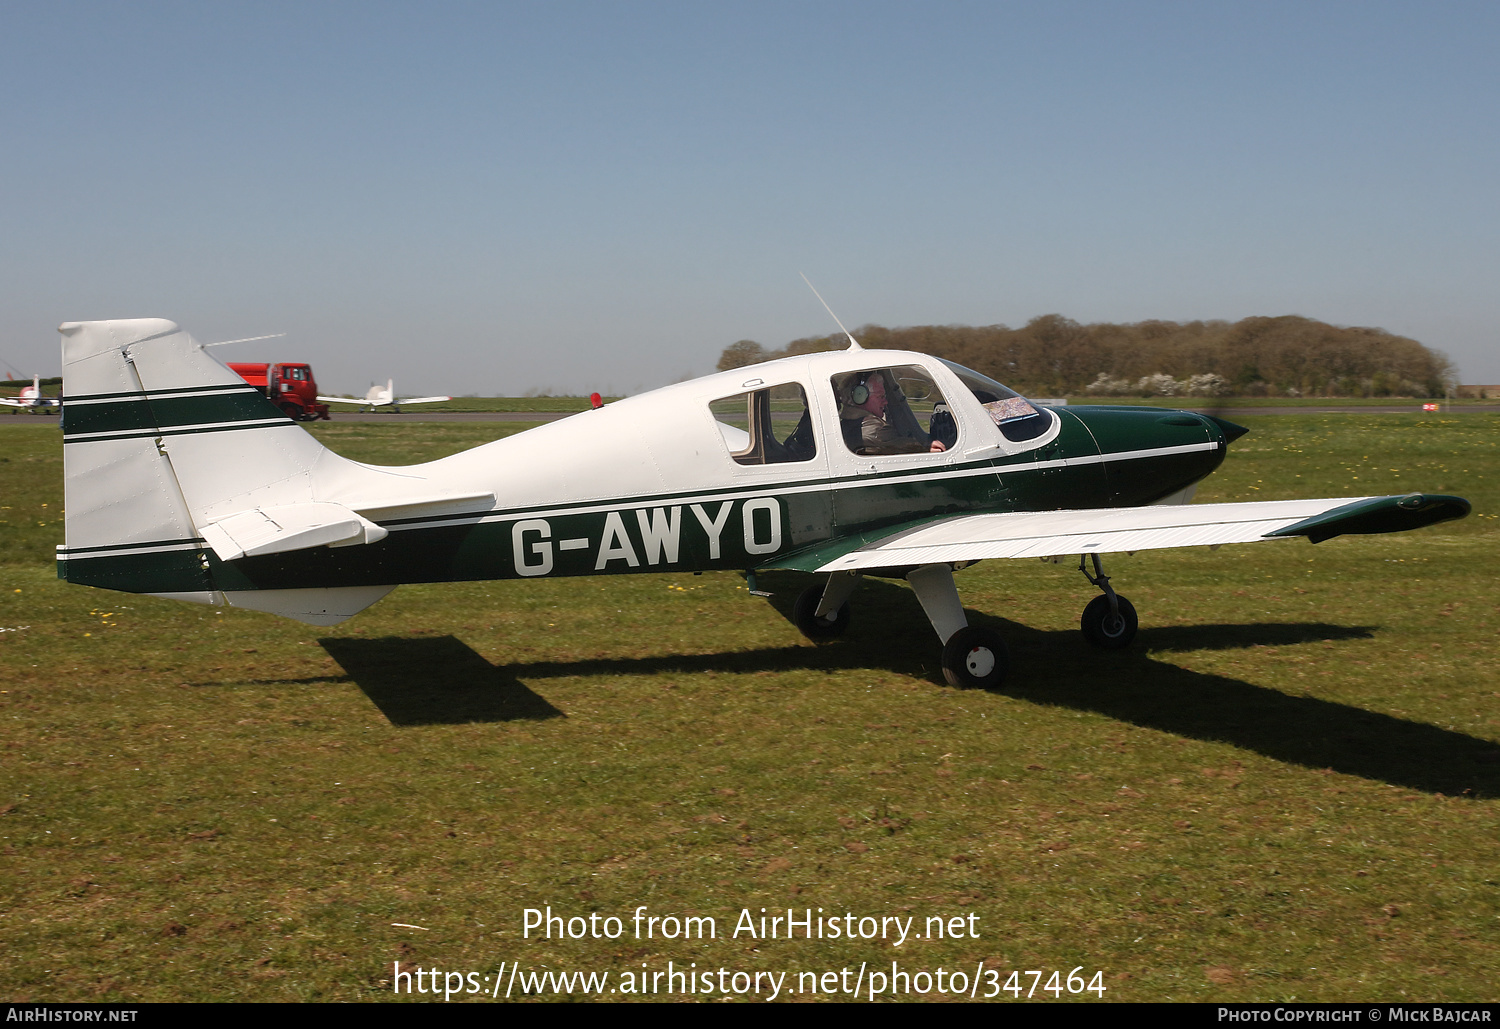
[[1289, 788]]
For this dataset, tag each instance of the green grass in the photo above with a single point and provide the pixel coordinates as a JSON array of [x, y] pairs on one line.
[[374, 443], [1287, 789]]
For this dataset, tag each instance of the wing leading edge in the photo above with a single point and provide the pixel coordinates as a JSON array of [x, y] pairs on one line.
[[1119, 529]]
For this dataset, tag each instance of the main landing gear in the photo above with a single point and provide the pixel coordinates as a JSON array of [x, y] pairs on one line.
[[974, 657], [1109, 622], [822, 612]]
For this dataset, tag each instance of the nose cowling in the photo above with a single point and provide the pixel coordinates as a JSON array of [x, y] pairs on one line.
[[1150, 454]]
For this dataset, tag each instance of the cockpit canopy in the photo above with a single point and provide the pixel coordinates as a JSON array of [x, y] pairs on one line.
[[881, 410], [1018, 419]]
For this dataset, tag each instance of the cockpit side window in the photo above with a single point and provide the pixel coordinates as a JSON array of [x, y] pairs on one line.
[[766, 426], [1018, 419], [893, 411]]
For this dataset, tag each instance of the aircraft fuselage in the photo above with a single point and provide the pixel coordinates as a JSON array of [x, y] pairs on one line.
[[651, 484]]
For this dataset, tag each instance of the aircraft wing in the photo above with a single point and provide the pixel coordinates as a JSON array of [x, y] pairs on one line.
[[11, 402], [421, 400], [343, 400], [1119, 529]]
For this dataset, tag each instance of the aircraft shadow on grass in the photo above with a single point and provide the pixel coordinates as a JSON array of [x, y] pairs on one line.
[[443, 681], [435, 680], [1133, 686]]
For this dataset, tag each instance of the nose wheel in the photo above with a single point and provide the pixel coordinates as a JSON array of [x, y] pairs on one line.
[[1106, 629], [1109, 622]]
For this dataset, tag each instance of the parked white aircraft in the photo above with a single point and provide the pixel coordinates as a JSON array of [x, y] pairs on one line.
[[30, 399], [184, 481], [383, 397]]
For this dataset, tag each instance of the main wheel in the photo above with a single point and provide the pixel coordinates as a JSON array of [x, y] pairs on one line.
[[975, 658], [1107, 631], [813, 627]]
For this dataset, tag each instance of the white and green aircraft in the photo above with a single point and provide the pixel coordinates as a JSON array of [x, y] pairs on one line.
[[183, 481]]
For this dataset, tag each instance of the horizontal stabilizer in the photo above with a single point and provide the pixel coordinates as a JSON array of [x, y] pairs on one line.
[[272, 530]]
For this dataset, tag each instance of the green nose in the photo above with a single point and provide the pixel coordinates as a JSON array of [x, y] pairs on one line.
[[1231, 431]]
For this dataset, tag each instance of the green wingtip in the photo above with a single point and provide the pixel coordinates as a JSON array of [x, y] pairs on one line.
[[1379, 514]]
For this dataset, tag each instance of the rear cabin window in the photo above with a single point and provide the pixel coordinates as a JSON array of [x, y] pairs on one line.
[[893, 411], [766, 426]]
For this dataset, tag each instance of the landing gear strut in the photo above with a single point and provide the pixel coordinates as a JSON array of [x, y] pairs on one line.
[[1109, 622], [973, 657], [822, 612]]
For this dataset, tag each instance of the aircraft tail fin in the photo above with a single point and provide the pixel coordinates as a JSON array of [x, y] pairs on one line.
[[168, 458]]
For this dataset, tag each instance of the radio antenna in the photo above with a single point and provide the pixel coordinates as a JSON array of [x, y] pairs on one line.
[[853, 343], [247, 339]]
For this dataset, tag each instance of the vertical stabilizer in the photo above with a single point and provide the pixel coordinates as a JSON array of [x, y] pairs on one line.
[[128, 526], [161, 442]]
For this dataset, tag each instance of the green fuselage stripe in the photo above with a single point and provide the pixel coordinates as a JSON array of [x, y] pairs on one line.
[[167, 414]]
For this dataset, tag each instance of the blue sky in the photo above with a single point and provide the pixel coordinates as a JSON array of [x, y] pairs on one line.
[[493, 197]]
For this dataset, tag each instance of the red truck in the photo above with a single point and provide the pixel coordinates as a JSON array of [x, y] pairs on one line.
[[288, 386]]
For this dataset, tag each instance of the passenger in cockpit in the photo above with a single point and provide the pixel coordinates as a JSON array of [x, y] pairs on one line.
[[885, 423]]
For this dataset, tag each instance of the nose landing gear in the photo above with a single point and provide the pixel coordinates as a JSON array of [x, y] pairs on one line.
[[1108, 622]]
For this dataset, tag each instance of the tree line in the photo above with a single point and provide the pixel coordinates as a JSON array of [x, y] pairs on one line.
[[1055, 356]]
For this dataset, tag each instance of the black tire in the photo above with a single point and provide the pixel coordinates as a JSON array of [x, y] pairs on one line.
[[1106, 631], [813, 627], [975, 658]]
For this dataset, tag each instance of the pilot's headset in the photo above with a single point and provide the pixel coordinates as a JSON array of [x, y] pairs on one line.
[[859, 393]]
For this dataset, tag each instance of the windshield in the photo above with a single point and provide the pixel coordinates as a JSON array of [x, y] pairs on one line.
[[1017, 418]]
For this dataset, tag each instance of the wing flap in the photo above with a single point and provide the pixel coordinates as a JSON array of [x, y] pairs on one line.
[[1113, 530]]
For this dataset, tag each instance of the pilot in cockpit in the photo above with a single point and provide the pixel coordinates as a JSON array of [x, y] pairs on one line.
[[876, 418]]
